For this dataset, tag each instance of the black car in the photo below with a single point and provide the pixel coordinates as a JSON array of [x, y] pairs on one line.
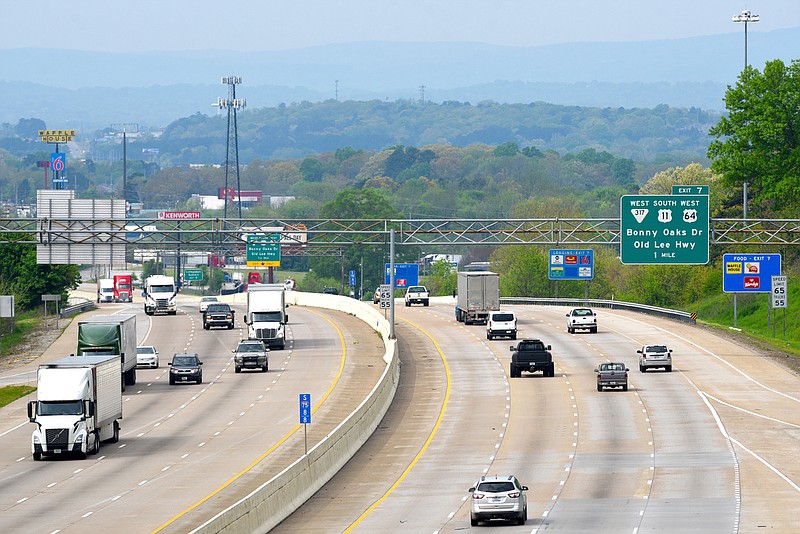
[[186, 368], [330, 291]]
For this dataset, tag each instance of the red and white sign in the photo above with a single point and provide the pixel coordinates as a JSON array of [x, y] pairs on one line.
[[752, 282], [178, 215]]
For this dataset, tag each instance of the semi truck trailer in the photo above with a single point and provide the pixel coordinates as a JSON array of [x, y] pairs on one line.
[[110, 335], [78, 405]]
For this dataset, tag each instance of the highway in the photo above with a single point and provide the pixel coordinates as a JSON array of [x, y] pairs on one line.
[[709, 447], [187, 444]]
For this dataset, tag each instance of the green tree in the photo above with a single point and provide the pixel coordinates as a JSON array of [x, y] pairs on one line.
[[27, 280], [442, 279], [758, 142], [312, 170]]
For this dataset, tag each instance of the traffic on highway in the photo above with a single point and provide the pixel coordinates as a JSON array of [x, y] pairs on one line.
[[704, 448]]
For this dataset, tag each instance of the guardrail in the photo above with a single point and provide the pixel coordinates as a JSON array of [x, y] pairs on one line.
[[276, 499], [678, 315], [76, 305]]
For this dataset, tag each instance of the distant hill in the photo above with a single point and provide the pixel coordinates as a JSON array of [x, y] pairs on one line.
[[89, 90]]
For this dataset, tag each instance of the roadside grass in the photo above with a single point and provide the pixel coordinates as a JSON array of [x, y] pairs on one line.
[[9, 394], [23, 324], [780, 331]]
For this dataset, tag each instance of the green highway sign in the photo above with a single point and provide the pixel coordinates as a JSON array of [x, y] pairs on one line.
[[192, 275], [664, 229], [264, 250], [689, 189]]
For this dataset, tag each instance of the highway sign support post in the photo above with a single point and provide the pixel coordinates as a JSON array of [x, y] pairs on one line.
[[305, 415], [664, 229]]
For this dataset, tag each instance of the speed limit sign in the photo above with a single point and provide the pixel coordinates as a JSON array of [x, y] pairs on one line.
[[779, 295]]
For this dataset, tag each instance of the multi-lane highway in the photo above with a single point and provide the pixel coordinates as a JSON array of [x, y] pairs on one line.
[[709, 447], [187, 450]]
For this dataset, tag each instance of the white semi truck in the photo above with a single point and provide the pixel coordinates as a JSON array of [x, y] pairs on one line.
[[160, 295], [478, 294], [266, 316], [104, 335], [78, 404], [105, 290]]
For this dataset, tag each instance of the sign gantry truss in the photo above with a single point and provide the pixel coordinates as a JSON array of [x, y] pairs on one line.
[[216, 232]]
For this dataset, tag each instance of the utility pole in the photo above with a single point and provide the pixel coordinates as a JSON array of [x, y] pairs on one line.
[[128, 127]]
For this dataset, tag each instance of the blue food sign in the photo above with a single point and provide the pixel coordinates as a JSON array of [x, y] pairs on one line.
[[749, 273]]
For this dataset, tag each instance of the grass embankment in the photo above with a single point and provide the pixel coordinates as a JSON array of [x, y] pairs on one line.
[[781, 332], [24, 325]]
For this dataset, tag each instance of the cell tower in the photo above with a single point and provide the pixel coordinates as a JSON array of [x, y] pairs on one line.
[[232, 104]]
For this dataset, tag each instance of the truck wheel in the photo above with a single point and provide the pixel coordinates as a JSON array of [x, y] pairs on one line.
[[230, 326], [473, 521], [599, 387], [569, 329], [37, 456], [514, 335], [551, 371], [205, 327], [641, 368], [668, 368], [265, 368], [96, 448], [625, 387], [488, 336], [593, 330], [115, 435], [426, 303], [237, 369]]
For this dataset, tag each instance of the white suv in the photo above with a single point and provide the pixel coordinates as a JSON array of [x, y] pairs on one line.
[[498, 498], [501, 323], [651, 356]]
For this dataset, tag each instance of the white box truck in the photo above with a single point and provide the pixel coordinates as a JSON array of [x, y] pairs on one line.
[[103, 335], [160, 295], [266, 316], [105, 290], [478, 294], [78, 404]]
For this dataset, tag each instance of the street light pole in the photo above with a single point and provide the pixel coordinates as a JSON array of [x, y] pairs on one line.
[[745, 17]]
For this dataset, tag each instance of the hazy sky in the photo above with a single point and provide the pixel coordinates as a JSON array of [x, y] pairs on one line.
[[258, 25]]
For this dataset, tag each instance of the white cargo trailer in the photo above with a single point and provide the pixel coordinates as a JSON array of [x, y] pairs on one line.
[[78, 404]]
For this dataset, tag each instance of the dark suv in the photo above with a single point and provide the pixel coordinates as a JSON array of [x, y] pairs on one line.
[[251, 354], [186, 368]]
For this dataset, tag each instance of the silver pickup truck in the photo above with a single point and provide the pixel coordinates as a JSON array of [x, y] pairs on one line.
[[612, 375]]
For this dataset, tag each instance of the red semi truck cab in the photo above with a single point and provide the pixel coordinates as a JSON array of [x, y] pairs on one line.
[[123, 287]]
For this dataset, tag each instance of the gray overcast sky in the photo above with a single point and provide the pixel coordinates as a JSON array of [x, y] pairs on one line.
[[259, 25]]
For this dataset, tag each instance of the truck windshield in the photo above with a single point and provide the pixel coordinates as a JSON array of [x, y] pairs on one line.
[[60, 408], [123, 286], [162, 289], [267, 317]]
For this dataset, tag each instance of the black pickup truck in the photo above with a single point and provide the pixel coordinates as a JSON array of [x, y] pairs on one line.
[[218, 314], [531, 355]]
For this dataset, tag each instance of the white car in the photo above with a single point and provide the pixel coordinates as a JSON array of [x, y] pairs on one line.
[[146, 356], [651, 356], [205, 301]]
